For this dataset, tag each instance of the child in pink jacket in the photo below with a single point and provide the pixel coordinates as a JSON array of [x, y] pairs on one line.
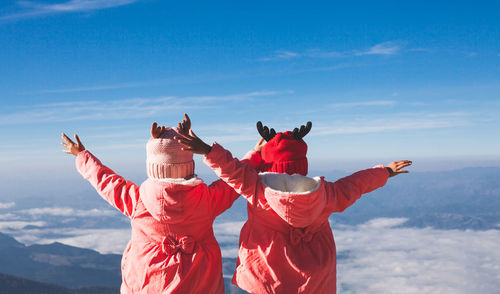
[[286, 245], [172, 247]]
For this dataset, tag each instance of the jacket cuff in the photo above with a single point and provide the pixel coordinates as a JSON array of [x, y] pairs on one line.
[[214, 153], [82, 157], [253, 159], [85, 160]]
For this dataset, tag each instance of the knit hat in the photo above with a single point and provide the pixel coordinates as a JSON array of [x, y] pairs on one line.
[[284, 154], [165, 157]]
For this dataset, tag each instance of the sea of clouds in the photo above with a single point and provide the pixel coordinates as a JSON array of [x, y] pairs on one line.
[[379, 256]]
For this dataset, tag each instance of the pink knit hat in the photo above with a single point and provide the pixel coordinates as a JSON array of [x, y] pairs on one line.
[[165, 157]]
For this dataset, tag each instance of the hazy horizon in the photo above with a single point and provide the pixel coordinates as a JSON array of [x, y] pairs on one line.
[[380, 81]]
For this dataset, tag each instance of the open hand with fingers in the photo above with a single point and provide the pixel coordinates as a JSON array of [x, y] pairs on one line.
[[72, 147], [396, 167], [185, 125], [259, 145], [194, 144], [188, 138]]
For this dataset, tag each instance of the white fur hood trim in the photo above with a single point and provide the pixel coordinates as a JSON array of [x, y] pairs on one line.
[[297, 199], [290, 184], [180, 181]]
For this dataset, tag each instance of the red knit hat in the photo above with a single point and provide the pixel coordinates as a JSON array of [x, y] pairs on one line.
[[284, 154]]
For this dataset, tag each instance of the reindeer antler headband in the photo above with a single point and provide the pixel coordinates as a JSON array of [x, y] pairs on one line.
[[297, 133]]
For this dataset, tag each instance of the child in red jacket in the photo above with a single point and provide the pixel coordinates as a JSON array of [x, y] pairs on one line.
[[172, 247], [286, 245]]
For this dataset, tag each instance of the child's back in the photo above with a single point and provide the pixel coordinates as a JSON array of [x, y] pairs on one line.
[[287, 246], [172, 247]]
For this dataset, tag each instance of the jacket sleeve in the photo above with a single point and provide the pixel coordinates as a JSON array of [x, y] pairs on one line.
[[344, 192], [222, 196], [237, 174], [119, 192]]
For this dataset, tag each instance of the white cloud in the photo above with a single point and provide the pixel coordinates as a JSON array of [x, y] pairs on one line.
[[102, 240], [75, 5], [67, 211], [375, 257], [123, 108], [316, 53], [18, 225], [31, 8], [391, 124], [363, 103], [228, 228], [386, 259], [227, 234], [386, 48], [280, 55], [8, 216], [7, 205]]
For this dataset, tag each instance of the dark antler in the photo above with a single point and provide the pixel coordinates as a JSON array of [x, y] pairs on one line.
[[304, 130], [265, 132]]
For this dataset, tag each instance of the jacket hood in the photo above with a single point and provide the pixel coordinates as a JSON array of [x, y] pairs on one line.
[[171, 200], [297, 199]]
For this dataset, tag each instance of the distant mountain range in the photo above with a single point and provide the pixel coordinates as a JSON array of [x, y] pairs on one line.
[[59, 264], [461, 199], [61, 269], [16, 285]]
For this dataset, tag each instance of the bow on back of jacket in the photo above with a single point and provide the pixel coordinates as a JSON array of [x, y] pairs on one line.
[[298, 235], [171, 246]]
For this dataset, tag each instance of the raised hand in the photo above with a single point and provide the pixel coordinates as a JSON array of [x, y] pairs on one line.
[[395, 168], [72, 147], [259, 145], [192, 143], [185, 125], [156, 130]]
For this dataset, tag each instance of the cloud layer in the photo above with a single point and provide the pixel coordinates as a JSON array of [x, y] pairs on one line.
[[6, 205], [382, 258], [378, 256]]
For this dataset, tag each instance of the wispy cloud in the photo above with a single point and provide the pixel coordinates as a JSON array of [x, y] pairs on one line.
[[392, 123], [66, 211], [7, 205], [95, 88], [279, 55], [385, 48], [32, 9], [18, 225], [121, 109], [363, 103]]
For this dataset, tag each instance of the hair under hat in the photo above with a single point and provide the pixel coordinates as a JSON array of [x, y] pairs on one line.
[[165, 157]]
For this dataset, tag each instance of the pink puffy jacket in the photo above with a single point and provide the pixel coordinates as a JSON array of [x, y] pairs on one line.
[[172, 248], [286, 245]]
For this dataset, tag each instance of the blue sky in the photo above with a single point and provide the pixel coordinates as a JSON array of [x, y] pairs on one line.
[[380, 81]]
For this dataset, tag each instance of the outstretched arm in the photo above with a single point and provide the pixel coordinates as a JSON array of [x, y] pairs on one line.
[[344, 192], [221, 194], [235, 173], [119, 192]]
